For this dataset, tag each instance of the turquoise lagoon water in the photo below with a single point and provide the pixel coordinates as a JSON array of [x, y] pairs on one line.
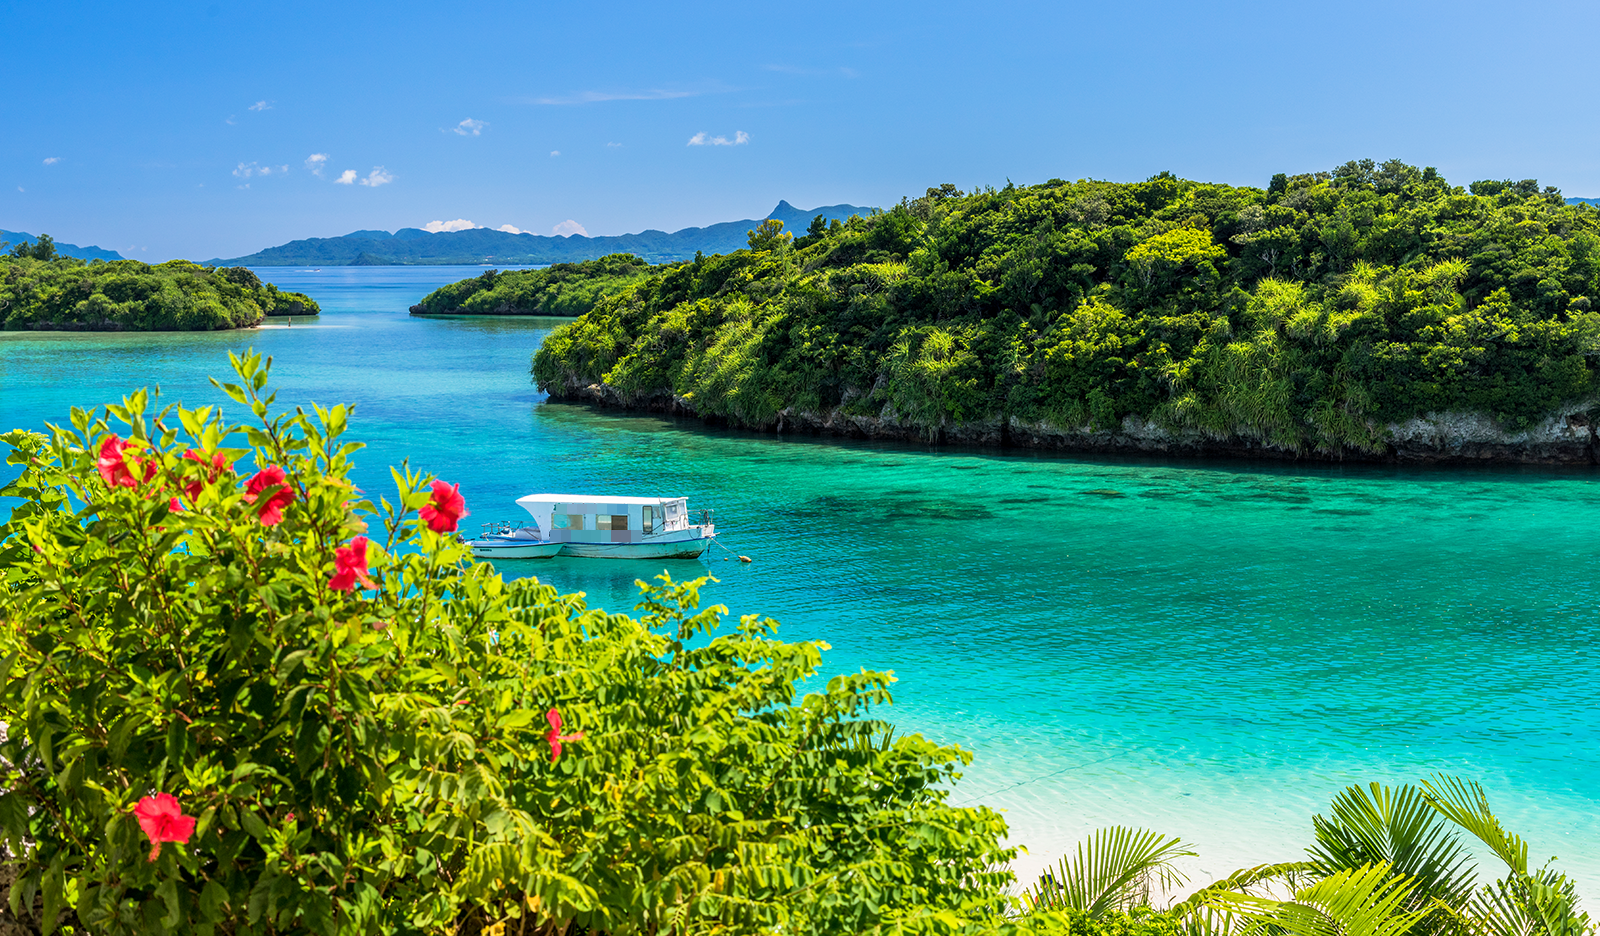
[[1211, 649]]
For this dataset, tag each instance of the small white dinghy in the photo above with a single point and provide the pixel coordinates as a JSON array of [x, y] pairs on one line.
[[502, 541], [602, 526]]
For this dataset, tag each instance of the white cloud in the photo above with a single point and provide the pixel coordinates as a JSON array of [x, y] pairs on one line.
[[613, 144], [347, 177], [703, 139], [246, 170], [51, 160], [567, 228], [317, 162], [378, 176], [555, 152], [511, 229], [260, 106], [21, 189], [439, 227], [469, 127]]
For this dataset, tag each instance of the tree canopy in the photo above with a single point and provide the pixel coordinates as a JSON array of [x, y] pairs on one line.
[[125, 295], [1305, 316], [563, 289]]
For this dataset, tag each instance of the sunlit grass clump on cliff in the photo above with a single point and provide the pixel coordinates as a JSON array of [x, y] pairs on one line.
[[1306, 316], [39, 290]]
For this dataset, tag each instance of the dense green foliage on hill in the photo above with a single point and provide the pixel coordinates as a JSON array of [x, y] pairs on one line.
[[568, 289], [1303, 316], [126, 295]]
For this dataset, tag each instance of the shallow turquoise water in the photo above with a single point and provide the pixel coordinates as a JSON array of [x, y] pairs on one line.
[[1210, 649]]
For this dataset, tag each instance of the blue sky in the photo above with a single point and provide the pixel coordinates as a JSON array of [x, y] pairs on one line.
[[190, 129]]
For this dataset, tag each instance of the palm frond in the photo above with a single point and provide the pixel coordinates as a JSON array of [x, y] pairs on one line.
[[1366, 901], [1113, 870], [1197, 915], [1464, 803], [1397, 826], [1544, 903]]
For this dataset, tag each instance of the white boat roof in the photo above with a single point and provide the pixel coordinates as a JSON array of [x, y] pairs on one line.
[[531, 499]]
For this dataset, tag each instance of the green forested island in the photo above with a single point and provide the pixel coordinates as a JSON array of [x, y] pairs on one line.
[[562, 289], [39, 291], [1370, 311]]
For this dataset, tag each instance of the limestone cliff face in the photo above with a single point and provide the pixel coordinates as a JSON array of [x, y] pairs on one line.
[[1566, 438]]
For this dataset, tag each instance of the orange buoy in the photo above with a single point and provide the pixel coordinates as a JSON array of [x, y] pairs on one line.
[[746, 559]]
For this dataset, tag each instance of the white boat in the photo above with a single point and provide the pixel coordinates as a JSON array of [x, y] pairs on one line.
[[502, 541], [602, 526]]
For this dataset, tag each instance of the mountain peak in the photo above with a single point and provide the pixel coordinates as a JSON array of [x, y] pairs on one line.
[[484, 245]]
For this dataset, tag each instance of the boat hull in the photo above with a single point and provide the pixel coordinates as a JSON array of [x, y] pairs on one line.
[[492, 550], [682, 549]]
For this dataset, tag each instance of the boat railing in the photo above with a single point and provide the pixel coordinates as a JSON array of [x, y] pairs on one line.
[[507, 528]]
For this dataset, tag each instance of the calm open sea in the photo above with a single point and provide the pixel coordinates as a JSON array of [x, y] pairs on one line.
[[1210, 649]]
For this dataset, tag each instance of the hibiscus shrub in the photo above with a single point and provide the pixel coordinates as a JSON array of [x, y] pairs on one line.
[[239, 697]]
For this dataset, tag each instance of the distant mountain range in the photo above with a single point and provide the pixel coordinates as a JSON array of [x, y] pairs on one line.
[[1583, 201], [13, 238], [484, 245]]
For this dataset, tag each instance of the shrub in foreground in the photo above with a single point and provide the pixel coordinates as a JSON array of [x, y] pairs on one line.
[[242, 698]]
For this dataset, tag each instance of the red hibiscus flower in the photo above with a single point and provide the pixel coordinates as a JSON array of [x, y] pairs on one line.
[[554, 735], [351, 564], [118, 470], [217, 464], [162, 819], [446, 509], [270, 507]]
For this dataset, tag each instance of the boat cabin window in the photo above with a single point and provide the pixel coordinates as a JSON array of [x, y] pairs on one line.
[[611, 522], [651, 517]]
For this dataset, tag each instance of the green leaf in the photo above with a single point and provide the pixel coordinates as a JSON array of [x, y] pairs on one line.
[[1465, 804], [1113, 870]]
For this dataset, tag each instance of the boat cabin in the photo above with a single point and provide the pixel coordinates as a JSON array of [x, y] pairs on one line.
[[593, 518]]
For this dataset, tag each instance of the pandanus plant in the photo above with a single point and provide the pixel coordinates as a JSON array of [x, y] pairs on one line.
[[1386, 861]]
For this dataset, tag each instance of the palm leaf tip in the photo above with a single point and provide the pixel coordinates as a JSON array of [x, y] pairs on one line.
[[1464, 803], [1114, 869]]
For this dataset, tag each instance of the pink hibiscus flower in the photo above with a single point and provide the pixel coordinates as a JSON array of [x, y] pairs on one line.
[[270, 507], [446, 508], [554, 735], [162, 819], [350, 563], [118, 470]]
